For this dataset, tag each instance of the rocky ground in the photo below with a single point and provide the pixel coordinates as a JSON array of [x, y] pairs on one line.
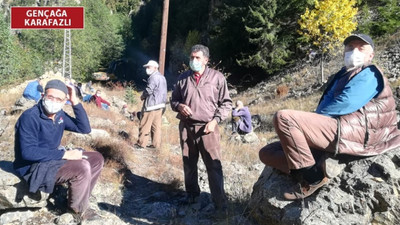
[[150, 188], [143, 195]]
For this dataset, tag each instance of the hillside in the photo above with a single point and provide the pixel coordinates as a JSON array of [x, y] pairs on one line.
[[146, 187], [136, 187]]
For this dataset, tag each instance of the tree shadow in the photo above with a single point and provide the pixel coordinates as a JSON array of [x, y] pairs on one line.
[[149, 202], [139, 192]]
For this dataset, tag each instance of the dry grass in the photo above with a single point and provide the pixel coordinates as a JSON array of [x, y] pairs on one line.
[[270, 107], [113, 172], [8, 99], [244, 154]]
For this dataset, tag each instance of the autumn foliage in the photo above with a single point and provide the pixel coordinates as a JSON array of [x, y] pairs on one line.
[[329, 23]]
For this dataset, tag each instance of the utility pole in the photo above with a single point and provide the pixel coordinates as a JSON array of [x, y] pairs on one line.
[[67, 62], [163, 42]]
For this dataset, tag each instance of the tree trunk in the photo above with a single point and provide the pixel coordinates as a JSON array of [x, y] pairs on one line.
[[322, 67]]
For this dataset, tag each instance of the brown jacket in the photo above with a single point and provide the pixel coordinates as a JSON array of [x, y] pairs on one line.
[[372, 129], [207, 100]]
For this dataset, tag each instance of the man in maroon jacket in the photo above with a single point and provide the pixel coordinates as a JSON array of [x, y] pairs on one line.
[[201, 98], [100, 102]]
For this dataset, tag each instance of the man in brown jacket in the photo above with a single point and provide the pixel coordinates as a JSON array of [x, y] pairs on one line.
[[201, 98], [356, 115]]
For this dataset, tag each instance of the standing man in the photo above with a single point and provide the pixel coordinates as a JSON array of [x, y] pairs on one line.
[[42, 162], [155, 97], [356, 116], [201, 98]]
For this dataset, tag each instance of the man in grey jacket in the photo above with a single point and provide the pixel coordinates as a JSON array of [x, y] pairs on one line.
[[155, 97], [201, 98]]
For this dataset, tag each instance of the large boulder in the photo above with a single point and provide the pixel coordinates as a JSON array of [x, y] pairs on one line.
[[14, 192], [262, 123], [365, 192], [21, 105]]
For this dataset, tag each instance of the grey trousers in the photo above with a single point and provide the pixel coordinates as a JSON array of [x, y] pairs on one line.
[[81, 176]]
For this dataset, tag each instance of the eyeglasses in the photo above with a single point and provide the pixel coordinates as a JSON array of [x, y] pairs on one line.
[[54, 99]]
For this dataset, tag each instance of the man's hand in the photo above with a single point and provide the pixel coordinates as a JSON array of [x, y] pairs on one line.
[[72, 95], [210, 126], [185, 110], [73, 155]]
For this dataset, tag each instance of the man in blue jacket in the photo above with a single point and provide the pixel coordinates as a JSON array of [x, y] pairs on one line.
[[42, 162], [33, 90], [355, 116]]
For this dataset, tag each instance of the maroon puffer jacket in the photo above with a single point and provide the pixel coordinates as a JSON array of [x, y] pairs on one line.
[[372, 129]]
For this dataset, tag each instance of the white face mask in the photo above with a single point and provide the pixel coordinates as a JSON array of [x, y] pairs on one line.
[[52, 107], [149, 71], [353, 59], [195, 65]]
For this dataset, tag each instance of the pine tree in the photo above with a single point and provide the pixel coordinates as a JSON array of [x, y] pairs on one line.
[[386, 17], [130, 95], [271, 33], [270, 51]]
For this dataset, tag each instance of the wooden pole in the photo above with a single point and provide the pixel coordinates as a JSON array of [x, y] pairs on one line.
[[163, 42]]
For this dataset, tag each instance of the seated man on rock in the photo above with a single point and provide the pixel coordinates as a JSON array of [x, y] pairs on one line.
[[42, 162], [241, 119], [356, 116], [33, 90]]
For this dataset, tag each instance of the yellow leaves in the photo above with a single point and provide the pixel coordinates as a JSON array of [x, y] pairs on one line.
[[328, 23]]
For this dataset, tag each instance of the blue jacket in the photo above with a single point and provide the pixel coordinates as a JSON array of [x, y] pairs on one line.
[[355, 93], [155, 92], [37, 137], [33, 91]]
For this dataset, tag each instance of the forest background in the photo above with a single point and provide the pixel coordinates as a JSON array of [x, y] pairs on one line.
[[249, 40]]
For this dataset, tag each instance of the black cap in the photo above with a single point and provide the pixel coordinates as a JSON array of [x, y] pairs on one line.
[[362, 37], [57, 84]]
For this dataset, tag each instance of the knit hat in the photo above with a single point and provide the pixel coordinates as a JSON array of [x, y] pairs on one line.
[[367, 39], [56, 84]]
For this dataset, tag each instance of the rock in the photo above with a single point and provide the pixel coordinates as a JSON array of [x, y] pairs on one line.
[[160, 211], [16, 217], [88, 138], [365, 192], [66, 218], [124, 135], [250, 138], [333, 167], [262, 123], [21, 105], [165, 121], [14, 192], [233, 92], [100, 122], [117, 102]]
